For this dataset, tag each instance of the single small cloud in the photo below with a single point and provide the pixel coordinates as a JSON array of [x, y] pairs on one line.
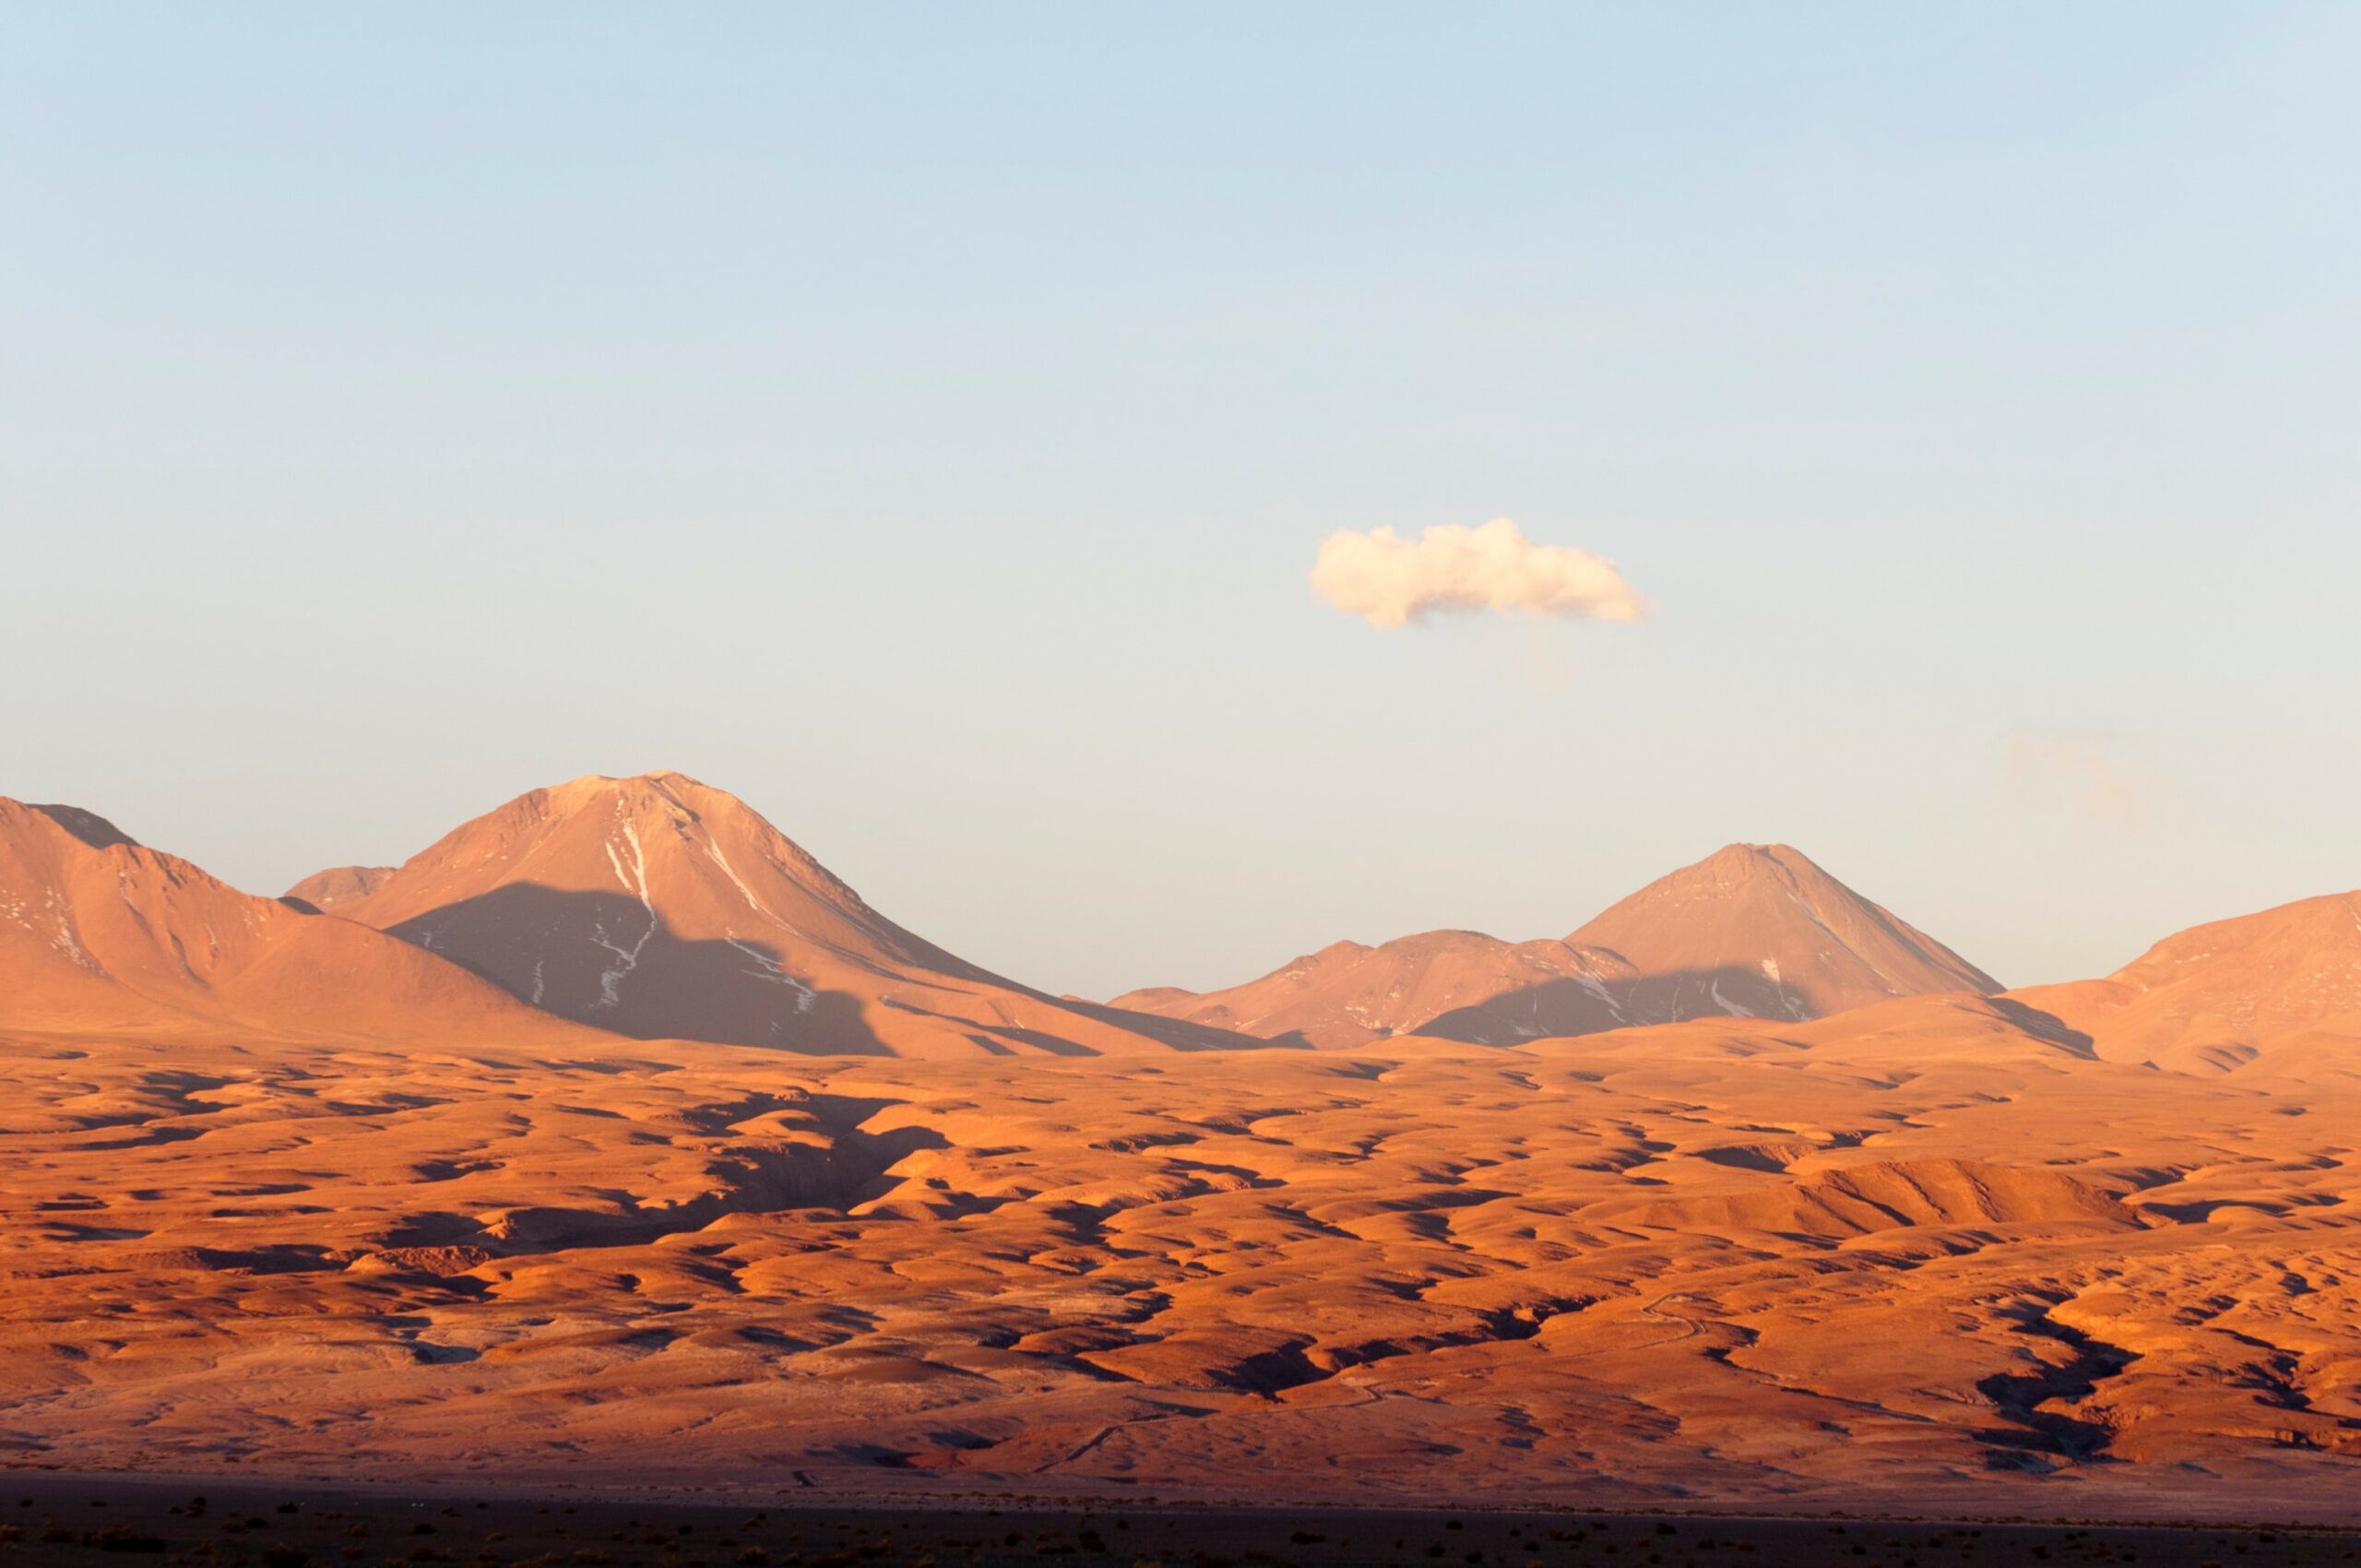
[[2081, 770], [1389, 581]]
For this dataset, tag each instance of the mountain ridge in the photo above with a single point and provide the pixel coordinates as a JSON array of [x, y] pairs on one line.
[[2217, 996], [1751, 930], [99, 930]]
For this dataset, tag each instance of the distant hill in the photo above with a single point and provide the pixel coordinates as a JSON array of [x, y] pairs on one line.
[[339, 884], [99, 932], [2217, 996], [1753, 930]]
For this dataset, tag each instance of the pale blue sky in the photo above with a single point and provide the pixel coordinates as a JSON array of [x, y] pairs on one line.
[[920, 421]]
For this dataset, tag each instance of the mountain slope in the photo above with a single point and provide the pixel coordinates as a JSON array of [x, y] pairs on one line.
[[2216, 996], [658, 906], [1454, 984], [1759, 931], [339, 884], [98, 932], [1753, 931]]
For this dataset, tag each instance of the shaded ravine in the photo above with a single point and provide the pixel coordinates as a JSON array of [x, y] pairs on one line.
[[2038, 1437]]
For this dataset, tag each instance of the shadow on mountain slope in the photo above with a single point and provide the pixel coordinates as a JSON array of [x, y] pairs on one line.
[[1566, 1008], [606, 960]]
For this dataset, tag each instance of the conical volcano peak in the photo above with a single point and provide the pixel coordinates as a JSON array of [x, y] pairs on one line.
[[1750, 930], [657, 906], [651, 812], [1736, 864], [642, 797], [1760, 929], [652, 792], [640, 834]]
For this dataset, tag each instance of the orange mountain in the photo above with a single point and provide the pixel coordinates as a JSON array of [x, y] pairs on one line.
[[1454, 984], [1759, 931], [659, 907], [1753, 930], [339, 884], [98, 932], [2218, 996]]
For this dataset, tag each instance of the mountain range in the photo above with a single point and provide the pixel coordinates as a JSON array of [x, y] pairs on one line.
[[1753, 931], [658, 907]]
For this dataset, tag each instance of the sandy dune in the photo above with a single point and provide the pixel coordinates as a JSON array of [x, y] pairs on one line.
[[1754, 931], [1953, 1251]]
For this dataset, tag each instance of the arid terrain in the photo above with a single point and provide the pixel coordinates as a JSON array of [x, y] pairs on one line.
[[769, 1196]]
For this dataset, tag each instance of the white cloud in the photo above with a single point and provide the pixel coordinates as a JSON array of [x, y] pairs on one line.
[[1389, 581], [2082, 770]]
